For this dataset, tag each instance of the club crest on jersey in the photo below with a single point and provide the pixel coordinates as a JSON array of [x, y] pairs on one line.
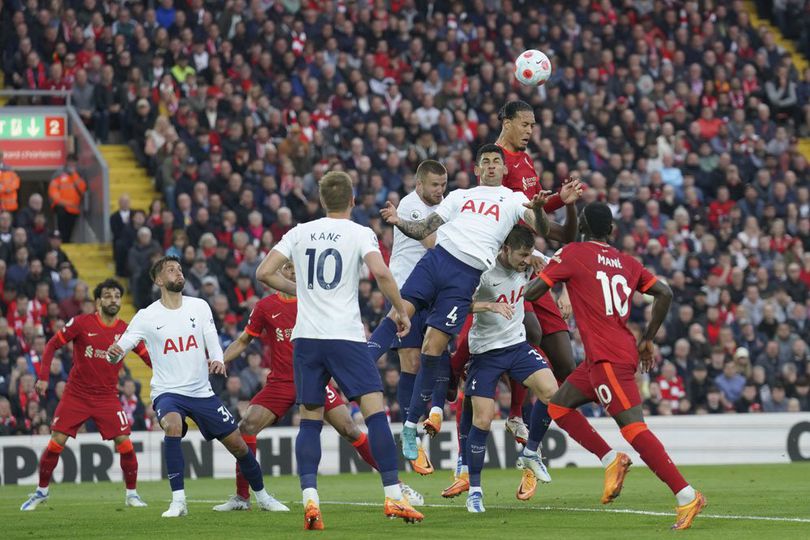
[[192, 322], [182, 345], [483, 208], [513, 297], [416, 214]]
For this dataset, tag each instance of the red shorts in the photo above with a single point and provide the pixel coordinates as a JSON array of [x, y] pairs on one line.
[[279, 396], [73, 411], [549, 315], [611, 384]]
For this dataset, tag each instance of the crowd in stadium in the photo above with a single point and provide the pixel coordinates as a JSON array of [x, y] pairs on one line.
[[684, 121]]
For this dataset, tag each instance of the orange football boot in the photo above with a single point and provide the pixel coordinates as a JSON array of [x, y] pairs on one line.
[[402, 509], [433, 424], [528, 485], [422, 464], [312, 517], [614, 477], [687, 513], [460, 484]]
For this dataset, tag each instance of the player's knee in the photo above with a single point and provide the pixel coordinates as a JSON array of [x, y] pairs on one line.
[[249, 427], [59, 438], [172, 425]]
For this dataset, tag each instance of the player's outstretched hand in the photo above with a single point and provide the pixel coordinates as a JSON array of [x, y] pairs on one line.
[[115, 353], [41, 387], [502, 308], [389, 213], [403, 324], [538, 201], [216, 368], [646, 354], [571, 190], [538, 263]]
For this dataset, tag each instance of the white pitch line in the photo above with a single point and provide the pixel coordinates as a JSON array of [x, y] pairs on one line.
[[564, 509]]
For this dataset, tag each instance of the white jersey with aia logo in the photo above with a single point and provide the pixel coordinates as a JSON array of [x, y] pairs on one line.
[[177, 340], [492, 330], [406, 251], [328, 254], [477, 221]]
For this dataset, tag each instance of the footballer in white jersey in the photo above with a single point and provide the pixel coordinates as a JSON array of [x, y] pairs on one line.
[[178, 339], [328, 337], [498, 346], [177, 330], [472, 224]]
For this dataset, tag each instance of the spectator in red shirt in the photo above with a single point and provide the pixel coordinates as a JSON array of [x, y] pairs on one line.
[[671, 384], [708, 124], [720, 208]]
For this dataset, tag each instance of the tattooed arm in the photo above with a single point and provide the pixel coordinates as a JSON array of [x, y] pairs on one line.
[[417, 230]]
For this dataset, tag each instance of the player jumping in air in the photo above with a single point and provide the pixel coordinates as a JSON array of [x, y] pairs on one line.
[[601, 281], [177, 331], [274, 316], [431, 183], [472, 225], [91, 391], [328, 337], [498, 345]]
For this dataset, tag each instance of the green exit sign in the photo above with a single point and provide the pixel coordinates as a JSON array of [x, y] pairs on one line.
[[31, 126]]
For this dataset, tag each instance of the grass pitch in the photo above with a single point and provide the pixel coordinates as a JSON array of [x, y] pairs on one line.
[[763, 501]]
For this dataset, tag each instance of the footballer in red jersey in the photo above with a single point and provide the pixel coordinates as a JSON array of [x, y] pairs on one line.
[[601, 283], [274, 318], [91, 391]]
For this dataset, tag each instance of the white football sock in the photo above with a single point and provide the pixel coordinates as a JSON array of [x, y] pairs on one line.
[[476, 489], [132, 492], [608, 458], [311, 494], [685, 496], [394, 491], [43, 490], [465, 469], [410, 424], [437, 410], [179, 495]]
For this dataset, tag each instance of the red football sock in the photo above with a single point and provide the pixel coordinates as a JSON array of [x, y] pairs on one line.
[[364, 449], [129, 463], [579, 429], [654, 455], [518, 398], [48, 461], [242, 484]]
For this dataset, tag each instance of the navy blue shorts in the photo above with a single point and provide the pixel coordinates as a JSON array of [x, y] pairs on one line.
[[211, 416], [444, 286], [520, 361], [416, 336], [315, 361]]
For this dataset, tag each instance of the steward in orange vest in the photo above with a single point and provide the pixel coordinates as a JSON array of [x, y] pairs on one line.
[[9, 185], [65, 192]]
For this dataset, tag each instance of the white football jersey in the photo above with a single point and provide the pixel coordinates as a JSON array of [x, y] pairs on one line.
[[328, 255], [177, 340], [492, 330], [406, 251], [477, 221]]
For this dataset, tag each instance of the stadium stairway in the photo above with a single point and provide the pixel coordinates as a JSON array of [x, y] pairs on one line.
[[94, 262], [799, 60]]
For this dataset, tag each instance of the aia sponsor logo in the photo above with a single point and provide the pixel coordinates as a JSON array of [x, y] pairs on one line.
[[180, 344]]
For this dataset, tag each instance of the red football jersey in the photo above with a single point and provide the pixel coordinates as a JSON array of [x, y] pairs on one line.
[[520, 175], [601, 281], [275, 317], [91, 374]]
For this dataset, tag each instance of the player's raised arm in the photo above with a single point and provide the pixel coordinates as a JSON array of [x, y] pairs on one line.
[[268, 272], [419, 229], [535, 216], [662, 300], [389, 288]]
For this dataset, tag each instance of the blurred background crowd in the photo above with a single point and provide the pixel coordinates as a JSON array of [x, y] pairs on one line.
[[682, 116]]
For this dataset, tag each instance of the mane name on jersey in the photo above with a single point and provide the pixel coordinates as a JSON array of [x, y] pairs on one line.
[[181, 346], [482, 207], [513, 298], [613, 262], [331, 236]]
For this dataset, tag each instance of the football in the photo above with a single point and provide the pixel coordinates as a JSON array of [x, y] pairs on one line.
[[532, 68]]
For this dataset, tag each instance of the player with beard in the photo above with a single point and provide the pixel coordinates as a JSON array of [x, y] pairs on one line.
[[177, 331], [91, 392]]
